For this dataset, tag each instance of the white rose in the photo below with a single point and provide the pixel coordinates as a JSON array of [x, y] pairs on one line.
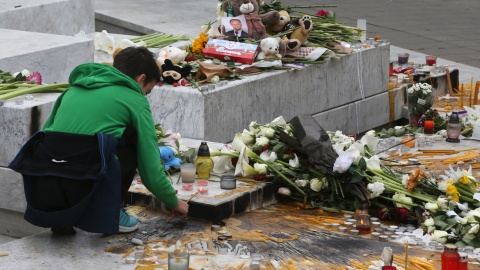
[[267, 132], [284, 191], [432, 207], [343, 162], [254, 127], [279, 121], [260, 168], [301, 183], [262, 141], [247, 137], [442, 202], [371, 132], [402, 198], [376, 188], [410, 90], [440, 236], [431, 229], [429, 222], [317, 185]]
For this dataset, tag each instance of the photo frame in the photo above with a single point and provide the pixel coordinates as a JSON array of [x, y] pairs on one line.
[[238, 22]]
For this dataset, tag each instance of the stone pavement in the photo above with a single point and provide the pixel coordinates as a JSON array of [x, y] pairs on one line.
[[444, 28]]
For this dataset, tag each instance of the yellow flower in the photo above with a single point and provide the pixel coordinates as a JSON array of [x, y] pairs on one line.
[[464, 179], [453, 193], [199, 43]]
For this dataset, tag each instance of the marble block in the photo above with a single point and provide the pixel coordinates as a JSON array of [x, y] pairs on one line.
[[218, 114], [54, 56], [362, 115], [130, 17], [12, 195], [19, 122], [62, 17]]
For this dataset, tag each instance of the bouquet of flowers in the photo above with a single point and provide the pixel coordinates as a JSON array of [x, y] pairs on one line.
[[420, 99]]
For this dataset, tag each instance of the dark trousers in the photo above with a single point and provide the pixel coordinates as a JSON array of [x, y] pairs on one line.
[[127, 155]]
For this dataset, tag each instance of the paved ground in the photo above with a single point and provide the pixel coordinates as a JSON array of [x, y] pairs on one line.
[[446, 28]]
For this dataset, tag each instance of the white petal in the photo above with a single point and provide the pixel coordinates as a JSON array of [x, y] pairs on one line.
[[108, 45], [125, 43], [294, 163], [476, 196], [268, 156]]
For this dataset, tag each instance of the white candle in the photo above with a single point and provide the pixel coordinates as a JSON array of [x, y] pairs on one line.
[[178, 264]]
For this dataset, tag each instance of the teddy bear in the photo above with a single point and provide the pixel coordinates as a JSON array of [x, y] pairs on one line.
[[175, 54], [281, 24], [172, 73], [300, 35], [269, 48]]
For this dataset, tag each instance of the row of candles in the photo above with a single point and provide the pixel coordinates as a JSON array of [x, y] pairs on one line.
[[364, 224]]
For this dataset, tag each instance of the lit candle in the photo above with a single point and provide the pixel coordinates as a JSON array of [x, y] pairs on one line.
[[203, 190], [428, 126], [363, 223]]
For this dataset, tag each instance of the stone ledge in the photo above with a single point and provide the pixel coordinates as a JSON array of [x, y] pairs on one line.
[[62, 17]]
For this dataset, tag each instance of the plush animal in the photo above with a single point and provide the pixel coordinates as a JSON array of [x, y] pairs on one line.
[[172, 73], [175, 54], [300, 35], [281, 24], [168, 157], [269, 48]]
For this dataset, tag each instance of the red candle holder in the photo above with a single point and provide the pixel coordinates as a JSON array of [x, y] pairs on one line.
[[428, 126], [187, 187], [363, 223], [202, 183]]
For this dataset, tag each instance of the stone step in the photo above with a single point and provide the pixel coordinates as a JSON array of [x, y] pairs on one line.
[[62, 17]]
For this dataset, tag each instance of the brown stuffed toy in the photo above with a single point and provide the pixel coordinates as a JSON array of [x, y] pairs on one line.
[[300, 35], [280, 25]]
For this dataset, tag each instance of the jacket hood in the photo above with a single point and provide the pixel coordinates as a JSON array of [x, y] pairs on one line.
[[94, 76]]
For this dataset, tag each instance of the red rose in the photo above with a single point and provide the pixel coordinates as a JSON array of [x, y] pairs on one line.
[[190, 58], [322, 12], [401, 215], [382, 213]]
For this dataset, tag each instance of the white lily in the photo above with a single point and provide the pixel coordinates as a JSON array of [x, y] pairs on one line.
[[278, 122], [108, 44], [80, 34], [98, 40], [268, 156], [340, 147], [357, 151], [223, 162], [125, 43], [238, 145], [294, 163], [24, 72], [370, 141], [243, 168], [373, 164]]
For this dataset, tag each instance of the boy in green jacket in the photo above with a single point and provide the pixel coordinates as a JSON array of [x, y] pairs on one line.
[[111, 100]]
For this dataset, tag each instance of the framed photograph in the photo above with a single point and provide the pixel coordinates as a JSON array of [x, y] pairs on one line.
[[235, 26]]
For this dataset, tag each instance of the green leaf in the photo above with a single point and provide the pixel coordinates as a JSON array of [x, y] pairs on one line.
[[356, 178], [362, 164], [391, 131]]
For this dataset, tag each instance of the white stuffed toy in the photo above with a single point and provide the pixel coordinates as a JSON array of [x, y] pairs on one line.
[[175, 54], [269, 48]]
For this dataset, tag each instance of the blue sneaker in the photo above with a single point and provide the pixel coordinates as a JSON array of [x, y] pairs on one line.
[[127, 223]]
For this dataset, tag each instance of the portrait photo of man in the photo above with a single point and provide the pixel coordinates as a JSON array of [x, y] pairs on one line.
[[235, 26]]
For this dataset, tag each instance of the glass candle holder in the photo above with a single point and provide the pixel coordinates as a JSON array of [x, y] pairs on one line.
[[403, 58], [202, 183], [178, 260], [408, 140], [187, 172], [430, 60], [187, 187], [363, 223]]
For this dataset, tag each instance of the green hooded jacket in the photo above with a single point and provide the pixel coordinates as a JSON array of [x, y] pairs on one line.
[[103, 99]]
